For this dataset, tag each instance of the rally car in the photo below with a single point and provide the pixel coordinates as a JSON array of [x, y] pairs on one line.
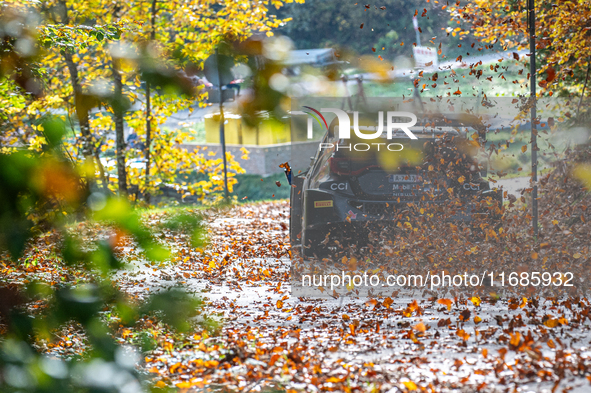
[[345, 191]]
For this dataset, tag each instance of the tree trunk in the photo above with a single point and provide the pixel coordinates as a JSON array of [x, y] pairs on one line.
[[149, 108], [105, 184], [119, 127], [82, 103], [82, 112], [148, 141]]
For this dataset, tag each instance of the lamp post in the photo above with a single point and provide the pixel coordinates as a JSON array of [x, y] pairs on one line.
[[222, 126], [415, 23], [218, 70]]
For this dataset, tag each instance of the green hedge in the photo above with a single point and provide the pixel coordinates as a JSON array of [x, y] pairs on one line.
[[251, 187]]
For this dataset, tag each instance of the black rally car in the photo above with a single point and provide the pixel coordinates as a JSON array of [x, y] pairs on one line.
[[345, 192]]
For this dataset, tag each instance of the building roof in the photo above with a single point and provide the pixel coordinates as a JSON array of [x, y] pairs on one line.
[[317, 57]]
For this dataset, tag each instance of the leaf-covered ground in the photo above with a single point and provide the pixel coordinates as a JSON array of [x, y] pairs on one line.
[[269, 339], [253, 336]]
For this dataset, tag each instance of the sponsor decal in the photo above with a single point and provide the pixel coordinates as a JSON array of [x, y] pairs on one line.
[[403, 178], [339, 186], [470, 186], [318, 204]]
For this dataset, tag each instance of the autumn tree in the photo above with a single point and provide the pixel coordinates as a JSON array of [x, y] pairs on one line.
[[563, 36], [188, 32], [387, 25], [111, 54]]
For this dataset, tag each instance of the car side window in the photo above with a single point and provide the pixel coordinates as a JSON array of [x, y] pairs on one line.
[[320, 166]]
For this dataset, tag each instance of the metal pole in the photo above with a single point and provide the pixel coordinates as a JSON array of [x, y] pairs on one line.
[[415, 23], [534, 134], [222, 128], [584, 88]]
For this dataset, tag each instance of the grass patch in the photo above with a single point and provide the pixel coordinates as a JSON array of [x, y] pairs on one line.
[[257, 188], [196, 129], [494, 83]]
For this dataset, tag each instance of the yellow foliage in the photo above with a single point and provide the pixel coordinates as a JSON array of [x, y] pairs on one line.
[[561, 29], [180, 30]]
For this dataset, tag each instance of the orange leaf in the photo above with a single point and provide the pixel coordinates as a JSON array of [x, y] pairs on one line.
[[274, 358], [551, 323], [445, 302], [551, 74], [462, 334], [410, 385], [515, 339]]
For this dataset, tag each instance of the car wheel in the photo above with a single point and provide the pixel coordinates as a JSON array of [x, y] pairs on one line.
[[295, 216], [314, 243]]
